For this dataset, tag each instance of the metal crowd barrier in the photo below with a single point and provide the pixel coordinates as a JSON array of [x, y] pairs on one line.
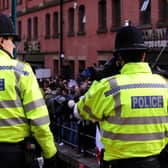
[[80, 146]]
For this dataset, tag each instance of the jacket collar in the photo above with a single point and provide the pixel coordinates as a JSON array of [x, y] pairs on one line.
[[138, 67], [4, 53]]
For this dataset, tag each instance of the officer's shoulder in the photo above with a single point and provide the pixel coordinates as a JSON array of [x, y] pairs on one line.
[[162, 78], [25, 64], [107, 79]]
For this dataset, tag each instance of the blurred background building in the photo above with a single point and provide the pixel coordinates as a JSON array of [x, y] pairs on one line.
[[79, 33]]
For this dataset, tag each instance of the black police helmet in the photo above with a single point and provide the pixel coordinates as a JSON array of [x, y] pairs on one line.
[[7, 28], [129, 38]]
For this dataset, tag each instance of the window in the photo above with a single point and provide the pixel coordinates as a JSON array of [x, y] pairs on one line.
[[116, 13], [35, 26], [102, 62], [163, 11], [6, 4], [81, 65], [72, 65], [102, 27], [82, 19], [1, 5], [71, 21], [55, 24], [29, 29], [48, 26], [56, 65], [145, 12], [18, 2]]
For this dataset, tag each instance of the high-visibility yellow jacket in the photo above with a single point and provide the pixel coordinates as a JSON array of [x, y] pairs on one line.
[[21, 99], [131, 108]]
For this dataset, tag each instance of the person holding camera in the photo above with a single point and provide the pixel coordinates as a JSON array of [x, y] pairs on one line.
[[23, 113], [131, 107]]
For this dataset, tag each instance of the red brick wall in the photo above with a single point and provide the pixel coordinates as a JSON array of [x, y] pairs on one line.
[[81, 47]]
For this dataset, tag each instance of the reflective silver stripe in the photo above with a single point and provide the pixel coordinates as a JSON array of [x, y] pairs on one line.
[[12, 121], [13, 103], [17, 87], [117, 119], [134, 86], [89, 111], [10, 103], [135, 137], [20, 66], [32, 105], [139, 120], [15, 68], [40, 121], [17, 102], [117, 106]]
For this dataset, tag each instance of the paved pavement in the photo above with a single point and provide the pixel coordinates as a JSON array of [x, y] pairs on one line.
[[71, 158]]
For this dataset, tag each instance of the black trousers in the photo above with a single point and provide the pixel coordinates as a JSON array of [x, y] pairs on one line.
[[11, 155], [164, 157], [148, 162]]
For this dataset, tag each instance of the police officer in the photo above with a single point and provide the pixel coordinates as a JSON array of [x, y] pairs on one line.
[[22, 108], [131, 107]]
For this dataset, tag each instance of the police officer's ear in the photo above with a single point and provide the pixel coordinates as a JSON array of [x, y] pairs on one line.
[[120, 60], [1, 42], [143, 57]]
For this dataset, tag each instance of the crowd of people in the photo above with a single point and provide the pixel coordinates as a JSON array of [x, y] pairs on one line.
[[60, 95]]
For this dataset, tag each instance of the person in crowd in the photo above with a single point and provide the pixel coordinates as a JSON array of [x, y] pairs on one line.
[[23, 113], [131, 107]]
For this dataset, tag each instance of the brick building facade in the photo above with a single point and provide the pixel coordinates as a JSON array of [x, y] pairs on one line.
[[83, 31]]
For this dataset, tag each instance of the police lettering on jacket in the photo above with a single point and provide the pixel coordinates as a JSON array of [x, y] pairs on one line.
[[147, 101]]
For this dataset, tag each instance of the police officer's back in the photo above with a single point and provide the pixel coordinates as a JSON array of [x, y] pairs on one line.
[[131, 107], [22, 108]]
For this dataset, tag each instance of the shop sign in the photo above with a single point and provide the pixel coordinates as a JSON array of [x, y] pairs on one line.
[[156, 38], [43, 73], [32, 46]]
